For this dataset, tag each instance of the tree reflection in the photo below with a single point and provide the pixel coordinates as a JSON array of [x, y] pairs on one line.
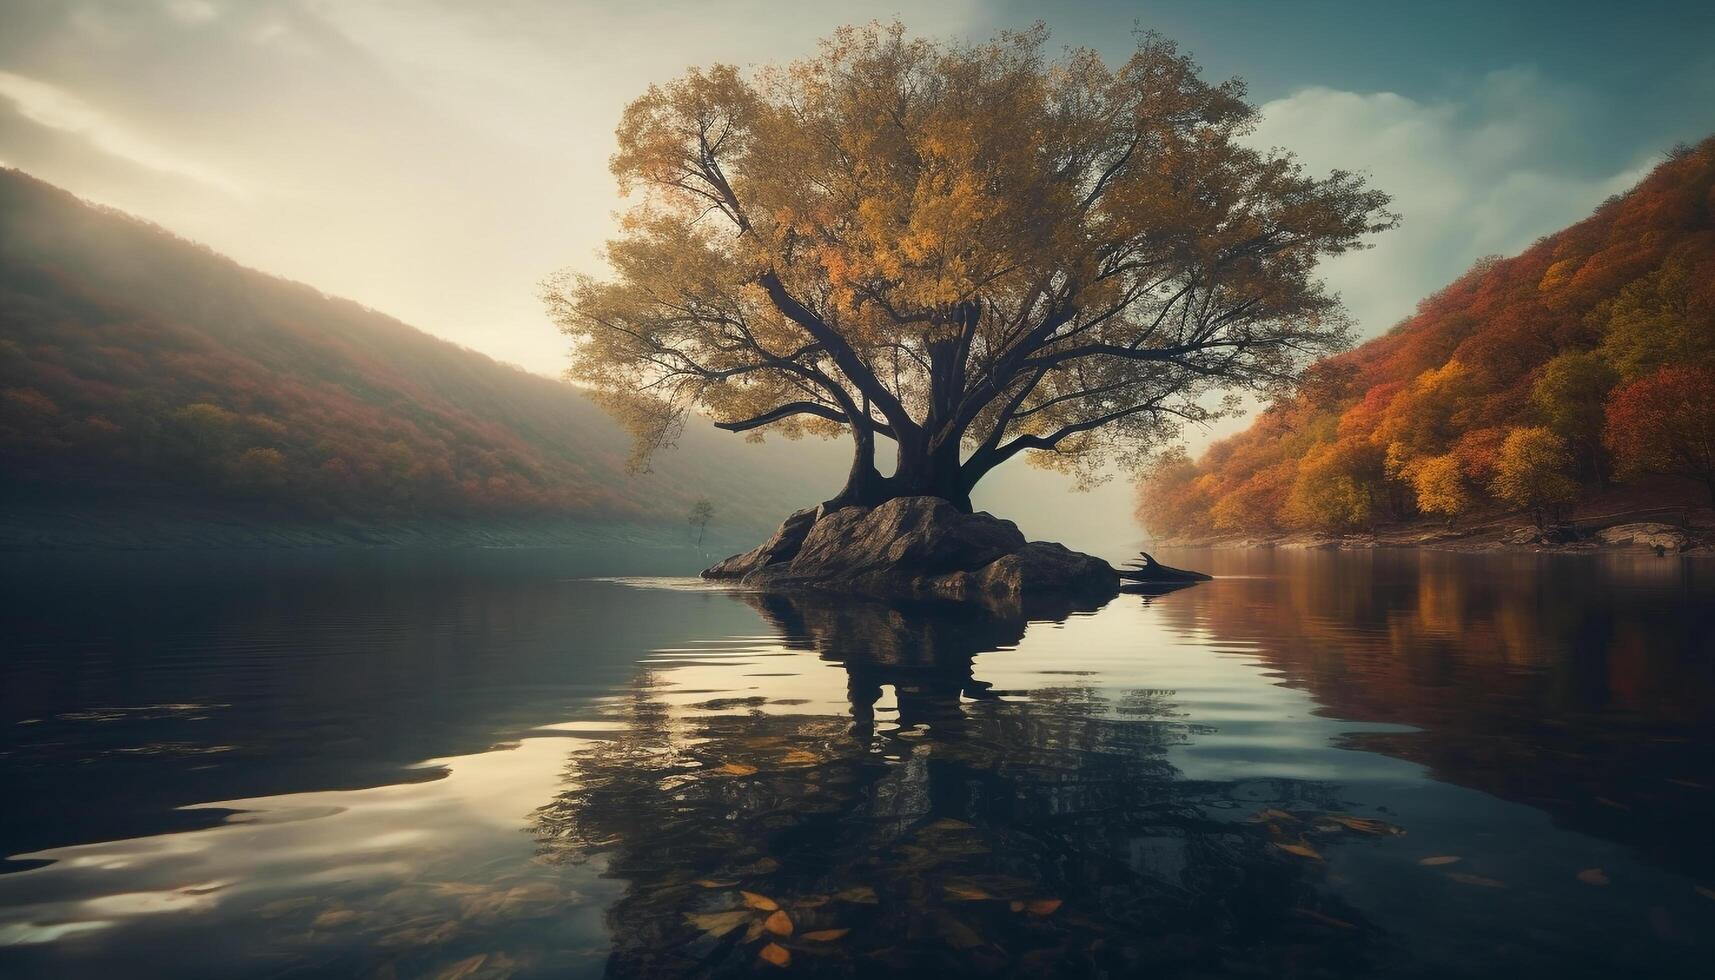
[[1579, 686], [1012, 833]]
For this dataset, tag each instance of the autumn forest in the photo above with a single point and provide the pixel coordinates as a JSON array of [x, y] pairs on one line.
[[1577, 374]]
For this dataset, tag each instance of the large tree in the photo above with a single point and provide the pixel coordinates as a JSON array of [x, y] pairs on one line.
[[974, 251]]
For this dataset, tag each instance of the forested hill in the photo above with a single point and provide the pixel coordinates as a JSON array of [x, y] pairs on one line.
[[137, 366], [1576, 377]]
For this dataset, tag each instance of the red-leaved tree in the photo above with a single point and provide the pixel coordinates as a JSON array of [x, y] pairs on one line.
[[1665, 423]]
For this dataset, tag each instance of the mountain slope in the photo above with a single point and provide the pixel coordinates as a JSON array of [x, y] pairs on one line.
[[135, 366], [1576, 378]]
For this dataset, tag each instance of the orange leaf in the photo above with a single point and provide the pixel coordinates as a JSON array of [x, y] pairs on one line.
[[737, 769], [824, 935], [756, 901], [1043, 906], [1593, 876], [1439, 860], [1302, 850], [779, 923], [775, 954], [966, 893]]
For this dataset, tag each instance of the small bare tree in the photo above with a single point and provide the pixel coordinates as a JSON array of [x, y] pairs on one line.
[[702, 512]]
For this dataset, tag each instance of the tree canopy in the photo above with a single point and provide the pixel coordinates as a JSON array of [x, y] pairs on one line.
[[974, 250]]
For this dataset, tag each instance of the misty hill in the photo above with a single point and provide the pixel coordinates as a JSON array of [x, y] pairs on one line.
[[137, 369], [1574, 379]]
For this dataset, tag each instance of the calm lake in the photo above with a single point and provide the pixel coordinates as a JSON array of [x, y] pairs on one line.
[[491, 764]]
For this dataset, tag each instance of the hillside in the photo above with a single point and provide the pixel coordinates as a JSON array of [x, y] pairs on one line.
[[138, 370], [1572, 380]]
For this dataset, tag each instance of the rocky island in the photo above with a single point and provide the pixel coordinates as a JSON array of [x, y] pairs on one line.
[[918, 548]]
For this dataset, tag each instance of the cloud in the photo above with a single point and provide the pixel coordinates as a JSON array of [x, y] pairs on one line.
[[1484, 170], [55, 108], [192, 11]]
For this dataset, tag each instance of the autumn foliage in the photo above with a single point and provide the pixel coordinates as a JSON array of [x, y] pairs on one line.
[[134, 363], [1528, 384], [974, 251]]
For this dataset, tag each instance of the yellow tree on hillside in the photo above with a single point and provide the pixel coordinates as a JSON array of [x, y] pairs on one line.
[[1531, 472], [976, 251]]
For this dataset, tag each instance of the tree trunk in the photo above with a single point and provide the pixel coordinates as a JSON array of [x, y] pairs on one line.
[[864, 484]]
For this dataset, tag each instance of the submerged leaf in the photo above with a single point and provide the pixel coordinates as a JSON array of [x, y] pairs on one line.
[[718, 924], [756, 901], [948, 823], [775, 954], [1302, 850], [824, 935], [966, 893], [779, 923], [861, 895], [711, 883], [1438, 860], [737, 769], [1043, 906], [1364, 825], [1269, 815], [1593, 876], [798, 757]]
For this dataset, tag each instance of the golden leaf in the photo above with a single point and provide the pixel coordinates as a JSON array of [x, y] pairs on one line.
[[1438, 860], [948, 823], [775, 954], [799, 757], [779, 923], [737, 769], [824, 935], [1266, 816], [718, 924], [862, 895], [966, 893], [756, 901], [711, 883], [1302, 850], [1593, 876]]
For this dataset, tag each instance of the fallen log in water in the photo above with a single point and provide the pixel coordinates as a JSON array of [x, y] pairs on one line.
[[1148, 570]]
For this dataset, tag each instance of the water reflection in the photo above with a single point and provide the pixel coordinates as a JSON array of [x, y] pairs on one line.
[[962, 830], [1317, 765], [1582, 687]]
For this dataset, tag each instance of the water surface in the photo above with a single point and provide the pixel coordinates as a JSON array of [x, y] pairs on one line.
[[489, 764]]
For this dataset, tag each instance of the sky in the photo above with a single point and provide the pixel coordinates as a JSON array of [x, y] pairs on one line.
[[436, 159]]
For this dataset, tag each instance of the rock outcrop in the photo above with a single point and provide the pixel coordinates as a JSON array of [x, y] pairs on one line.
[[1665, 537], [917, 548]]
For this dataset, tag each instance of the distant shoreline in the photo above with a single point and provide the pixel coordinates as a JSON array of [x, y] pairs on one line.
[[1697, 540]]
